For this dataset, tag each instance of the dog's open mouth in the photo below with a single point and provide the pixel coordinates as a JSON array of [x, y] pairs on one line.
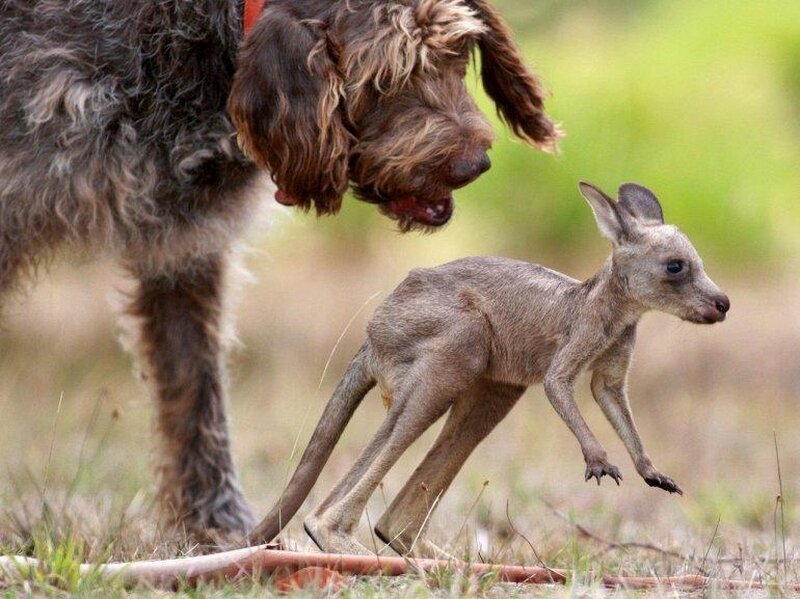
[[408, 209], [431, 213]]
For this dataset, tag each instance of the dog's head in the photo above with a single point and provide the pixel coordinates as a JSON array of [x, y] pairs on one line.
[[372, 92]]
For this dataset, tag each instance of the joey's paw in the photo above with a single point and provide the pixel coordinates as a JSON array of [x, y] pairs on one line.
[[600, 467], [656, 479]]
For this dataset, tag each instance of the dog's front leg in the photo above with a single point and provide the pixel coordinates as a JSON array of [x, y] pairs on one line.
[[180, 339]]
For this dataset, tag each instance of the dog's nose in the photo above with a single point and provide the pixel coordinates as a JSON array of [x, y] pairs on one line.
[[464, 170], [722, 303]]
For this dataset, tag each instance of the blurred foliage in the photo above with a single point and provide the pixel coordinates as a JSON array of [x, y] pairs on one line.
[[723, 502], [698, 100]]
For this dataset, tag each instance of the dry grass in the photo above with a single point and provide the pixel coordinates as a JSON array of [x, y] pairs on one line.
[[707, 401]]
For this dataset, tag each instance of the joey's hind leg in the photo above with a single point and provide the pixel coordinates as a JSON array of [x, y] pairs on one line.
[[181, 329], [472, 418], [419, 401], [334, 538], [332, 527]]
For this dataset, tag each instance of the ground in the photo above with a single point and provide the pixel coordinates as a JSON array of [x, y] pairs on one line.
[[76, 443]]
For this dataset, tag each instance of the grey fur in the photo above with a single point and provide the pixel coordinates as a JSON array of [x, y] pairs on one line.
[[116, 137], [468, 337]]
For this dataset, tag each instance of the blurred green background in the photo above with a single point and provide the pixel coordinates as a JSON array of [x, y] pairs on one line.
[[698, 100]]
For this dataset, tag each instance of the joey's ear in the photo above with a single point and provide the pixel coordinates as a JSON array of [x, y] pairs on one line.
[[605, 212], [514, 89], [640, 203], [285, 104]]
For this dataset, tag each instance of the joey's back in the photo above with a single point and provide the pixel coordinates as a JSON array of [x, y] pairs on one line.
[[522, 310], [506, 319]]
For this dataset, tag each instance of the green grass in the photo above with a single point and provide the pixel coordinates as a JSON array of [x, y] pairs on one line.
[[709, 424], [716, 530]]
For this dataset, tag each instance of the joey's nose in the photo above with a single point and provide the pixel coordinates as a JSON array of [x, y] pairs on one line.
[[722, 303], [464, 170]]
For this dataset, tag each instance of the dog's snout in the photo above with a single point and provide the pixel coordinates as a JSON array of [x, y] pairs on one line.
[[722, 303], [464, 170]]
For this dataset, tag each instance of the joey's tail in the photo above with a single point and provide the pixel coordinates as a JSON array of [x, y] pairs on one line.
[[355, 384]]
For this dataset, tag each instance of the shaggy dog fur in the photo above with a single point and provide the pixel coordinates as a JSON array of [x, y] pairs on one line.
[[118, 133]]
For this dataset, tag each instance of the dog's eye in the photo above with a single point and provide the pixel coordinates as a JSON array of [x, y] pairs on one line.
[[674, 266]]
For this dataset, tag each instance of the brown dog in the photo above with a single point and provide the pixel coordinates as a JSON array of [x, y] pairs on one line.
[[469, 337], [115, 137]]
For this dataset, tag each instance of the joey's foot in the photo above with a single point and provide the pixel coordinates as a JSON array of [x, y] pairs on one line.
[[655, 479], [599, 467], [330, 540], [425, 549], [418, 547], [212, 541]]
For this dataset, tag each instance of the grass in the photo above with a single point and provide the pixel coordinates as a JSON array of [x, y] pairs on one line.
[[697, 100], [709, 426]]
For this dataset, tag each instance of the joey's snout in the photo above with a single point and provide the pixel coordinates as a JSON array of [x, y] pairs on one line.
[[716, 308]]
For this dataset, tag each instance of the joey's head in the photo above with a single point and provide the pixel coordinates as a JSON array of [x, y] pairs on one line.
[[658, 264]]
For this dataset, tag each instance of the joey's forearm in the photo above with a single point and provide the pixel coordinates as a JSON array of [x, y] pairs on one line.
[[560, 392], [614, 402], [562, 397]]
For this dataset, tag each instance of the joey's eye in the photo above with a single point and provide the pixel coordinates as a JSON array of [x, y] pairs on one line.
[[674, 266]]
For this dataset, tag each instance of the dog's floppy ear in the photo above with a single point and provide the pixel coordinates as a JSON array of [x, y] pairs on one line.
[[284, 104], [514, 89]]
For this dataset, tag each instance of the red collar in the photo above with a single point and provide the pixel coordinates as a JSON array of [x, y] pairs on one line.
[[252, 8]]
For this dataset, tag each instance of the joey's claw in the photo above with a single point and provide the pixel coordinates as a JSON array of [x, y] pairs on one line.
[[602, 468], [663, 482]]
